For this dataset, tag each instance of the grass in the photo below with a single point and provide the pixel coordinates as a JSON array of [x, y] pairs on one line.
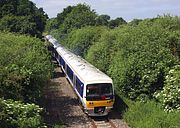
[[150, 115]]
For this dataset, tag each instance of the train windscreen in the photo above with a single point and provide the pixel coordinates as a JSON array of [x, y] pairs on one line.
[[101, 91]]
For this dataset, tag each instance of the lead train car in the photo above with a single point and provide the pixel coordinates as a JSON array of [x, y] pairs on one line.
[[93, 87]]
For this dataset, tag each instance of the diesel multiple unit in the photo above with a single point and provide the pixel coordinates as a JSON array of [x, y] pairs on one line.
[[93, 87]]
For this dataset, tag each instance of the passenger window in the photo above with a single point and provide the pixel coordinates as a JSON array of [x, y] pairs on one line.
[[78, 86]]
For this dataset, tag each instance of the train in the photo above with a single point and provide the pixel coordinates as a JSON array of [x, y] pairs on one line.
[[94, 88]]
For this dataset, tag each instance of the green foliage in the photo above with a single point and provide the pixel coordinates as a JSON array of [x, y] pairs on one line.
[[102, 20], [62, 16], [100, 53], [170, 95], [14, 114], [25, 67], [135, 21], [143, 58], [150, 115], [22, 16], [51, 24], [75, 17], [19, 24], [80, 40], [80, 16], [117, 22]]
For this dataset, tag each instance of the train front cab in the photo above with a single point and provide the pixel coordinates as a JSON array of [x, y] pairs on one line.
[[99, 99]]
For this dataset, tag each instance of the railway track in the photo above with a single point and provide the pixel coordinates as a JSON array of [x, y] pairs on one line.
[[102, 122]]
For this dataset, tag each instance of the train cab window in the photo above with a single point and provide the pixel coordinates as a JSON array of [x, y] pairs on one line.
[[99, 91], [106, 89], [92, 90]]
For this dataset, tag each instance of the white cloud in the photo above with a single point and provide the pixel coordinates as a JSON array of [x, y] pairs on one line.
[[128, 9]]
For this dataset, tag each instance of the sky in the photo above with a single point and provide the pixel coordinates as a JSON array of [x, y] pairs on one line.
[[127, 9]]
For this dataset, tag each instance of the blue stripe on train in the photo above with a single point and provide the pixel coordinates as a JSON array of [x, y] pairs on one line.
[[62, 63]]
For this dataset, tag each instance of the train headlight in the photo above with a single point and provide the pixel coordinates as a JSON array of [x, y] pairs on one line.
[[110, 101], [91, 103]]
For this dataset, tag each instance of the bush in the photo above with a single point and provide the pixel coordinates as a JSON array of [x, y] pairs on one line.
[[142, 57], [150, 115], [100, 52], [170, 95], [14, 114], [25, 67], [80, 40], [22, 16]]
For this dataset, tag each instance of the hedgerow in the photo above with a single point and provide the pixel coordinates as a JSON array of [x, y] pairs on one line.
[[100, 54], [25, 67], [80, 40], [24, 70], [143, 58]]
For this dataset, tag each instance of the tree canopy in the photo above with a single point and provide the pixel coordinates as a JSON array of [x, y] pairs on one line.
[[22, 16], [118, 21], [102, 20], [76, 17]]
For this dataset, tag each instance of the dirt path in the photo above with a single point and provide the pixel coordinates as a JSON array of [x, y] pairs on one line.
[[62, 105]]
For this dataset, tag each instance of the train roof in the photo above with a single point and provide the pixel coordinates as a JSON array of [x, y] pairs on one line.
[[53, 41], [48, 37], [84, 70], [87, 72]]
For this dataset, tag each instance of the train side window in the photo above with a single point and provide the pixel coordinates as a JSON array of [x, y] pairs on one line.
[[79, 86], [70, 73], [63, 63], [59, 58]]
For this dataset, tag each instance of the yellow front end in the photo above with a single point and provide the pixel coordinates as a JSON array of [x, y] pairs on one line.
[[98, 108]]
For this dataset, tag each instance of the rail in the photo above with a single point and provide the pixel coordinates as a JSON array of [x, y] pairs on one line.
[[102, 122]]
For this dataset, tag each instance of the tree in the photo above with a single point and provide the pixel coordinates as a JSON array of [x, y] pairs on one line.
[[118, 21], [22, 16], [135, 21], [63, 15], [80, 16], [51, 24], [102, 20]]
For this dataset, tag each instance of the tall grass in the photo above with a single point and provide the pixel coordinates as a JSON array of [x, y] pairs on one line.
[[150, 115]]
